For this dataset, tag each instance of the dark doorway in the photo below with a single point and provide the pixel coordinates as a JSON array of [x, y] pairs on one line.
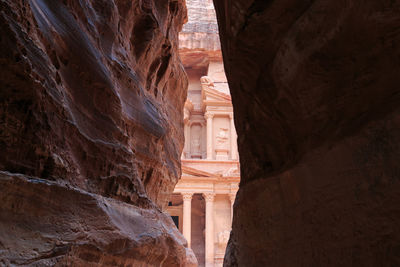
[[176, 220], [198, 228]]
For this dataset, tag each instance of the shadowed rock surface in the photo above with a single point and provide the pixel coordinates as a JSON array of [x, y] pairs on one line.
[[53, 224], [91, 104], [315, 87]]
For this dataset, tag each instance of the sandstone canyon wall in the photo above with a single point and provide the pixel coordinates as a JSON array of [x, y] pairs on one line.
[[91, 132], [315, 88]]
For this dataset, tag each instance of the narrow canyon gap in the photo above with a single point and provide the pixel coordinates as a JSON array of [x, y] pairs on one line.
[[202, 201], [315, 89], [91, 131]]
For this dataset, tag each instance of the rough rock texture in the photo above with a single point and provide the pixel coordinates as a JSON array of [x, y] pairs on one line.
[[91, 101], [199, 40], [201, 29], [315, 87], [45, 223]]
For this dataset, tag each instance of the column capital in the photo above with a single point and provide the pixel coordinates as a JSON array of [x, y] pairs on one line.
[[186, 196], [209, 197], [208, 115]]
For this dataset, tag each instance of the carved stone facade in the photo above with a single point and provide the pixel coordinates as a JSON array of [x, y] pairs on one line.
[[209, 128], [201, 205], [202, 202]]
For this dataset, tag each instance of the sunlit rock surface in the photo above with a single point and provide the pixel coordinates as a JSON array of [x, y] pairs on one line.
[[315, 89], [91, 132], [199, 40], [201, 30]]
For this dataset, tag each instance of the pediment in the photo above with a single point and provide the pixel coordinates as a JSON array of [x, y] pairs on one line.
[[215, 98], [192, 172], [215, 95]]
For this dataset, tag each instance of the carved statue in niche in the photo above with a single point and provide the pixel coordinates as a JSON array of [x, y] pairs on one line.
[[196, 141], [196, 144], [222, 138]]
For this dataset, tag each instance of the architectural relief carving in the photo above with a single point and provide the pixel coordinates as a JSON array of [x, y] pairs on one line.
[[206, 81], [187, 196], [208, 115], [234, 171], [223, 237], [196, 145], [196, 140], [210, 152], [209, 197], [222, 138], [210, 168]]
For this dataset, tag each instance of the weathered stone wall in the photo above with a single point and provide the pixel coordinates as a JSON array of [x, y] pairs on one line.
[[201, 30], [315, 90], [199, 39], [91, 131]]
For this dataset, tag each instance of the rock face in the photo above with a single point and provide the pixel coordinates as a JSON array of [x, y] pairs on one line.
[[45, 223], [314, 86], [91, 132], [199, 39], [201, 30]]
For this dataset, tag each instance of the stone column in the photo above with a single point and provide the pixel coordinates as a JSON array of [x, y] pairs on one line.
[[187, 215], [209, 118], [209, 197], [233, 138], [232, 197]]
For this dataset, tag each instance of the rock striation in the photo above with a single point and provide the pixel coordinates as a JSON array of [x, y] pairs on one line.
[[199, 39], [91, 132], [314, 86], [201, 30], [45, 223]]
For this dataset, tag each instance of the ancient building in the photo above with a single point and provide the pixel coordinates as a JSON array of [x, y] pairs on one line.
[[203, 199], [92, 96], [202, 203]]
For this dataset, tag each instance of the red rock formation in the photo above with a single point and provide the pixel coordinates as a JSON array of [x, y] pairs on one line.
[[45, 223], [315, 87], [91, 103], [199, 40]]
